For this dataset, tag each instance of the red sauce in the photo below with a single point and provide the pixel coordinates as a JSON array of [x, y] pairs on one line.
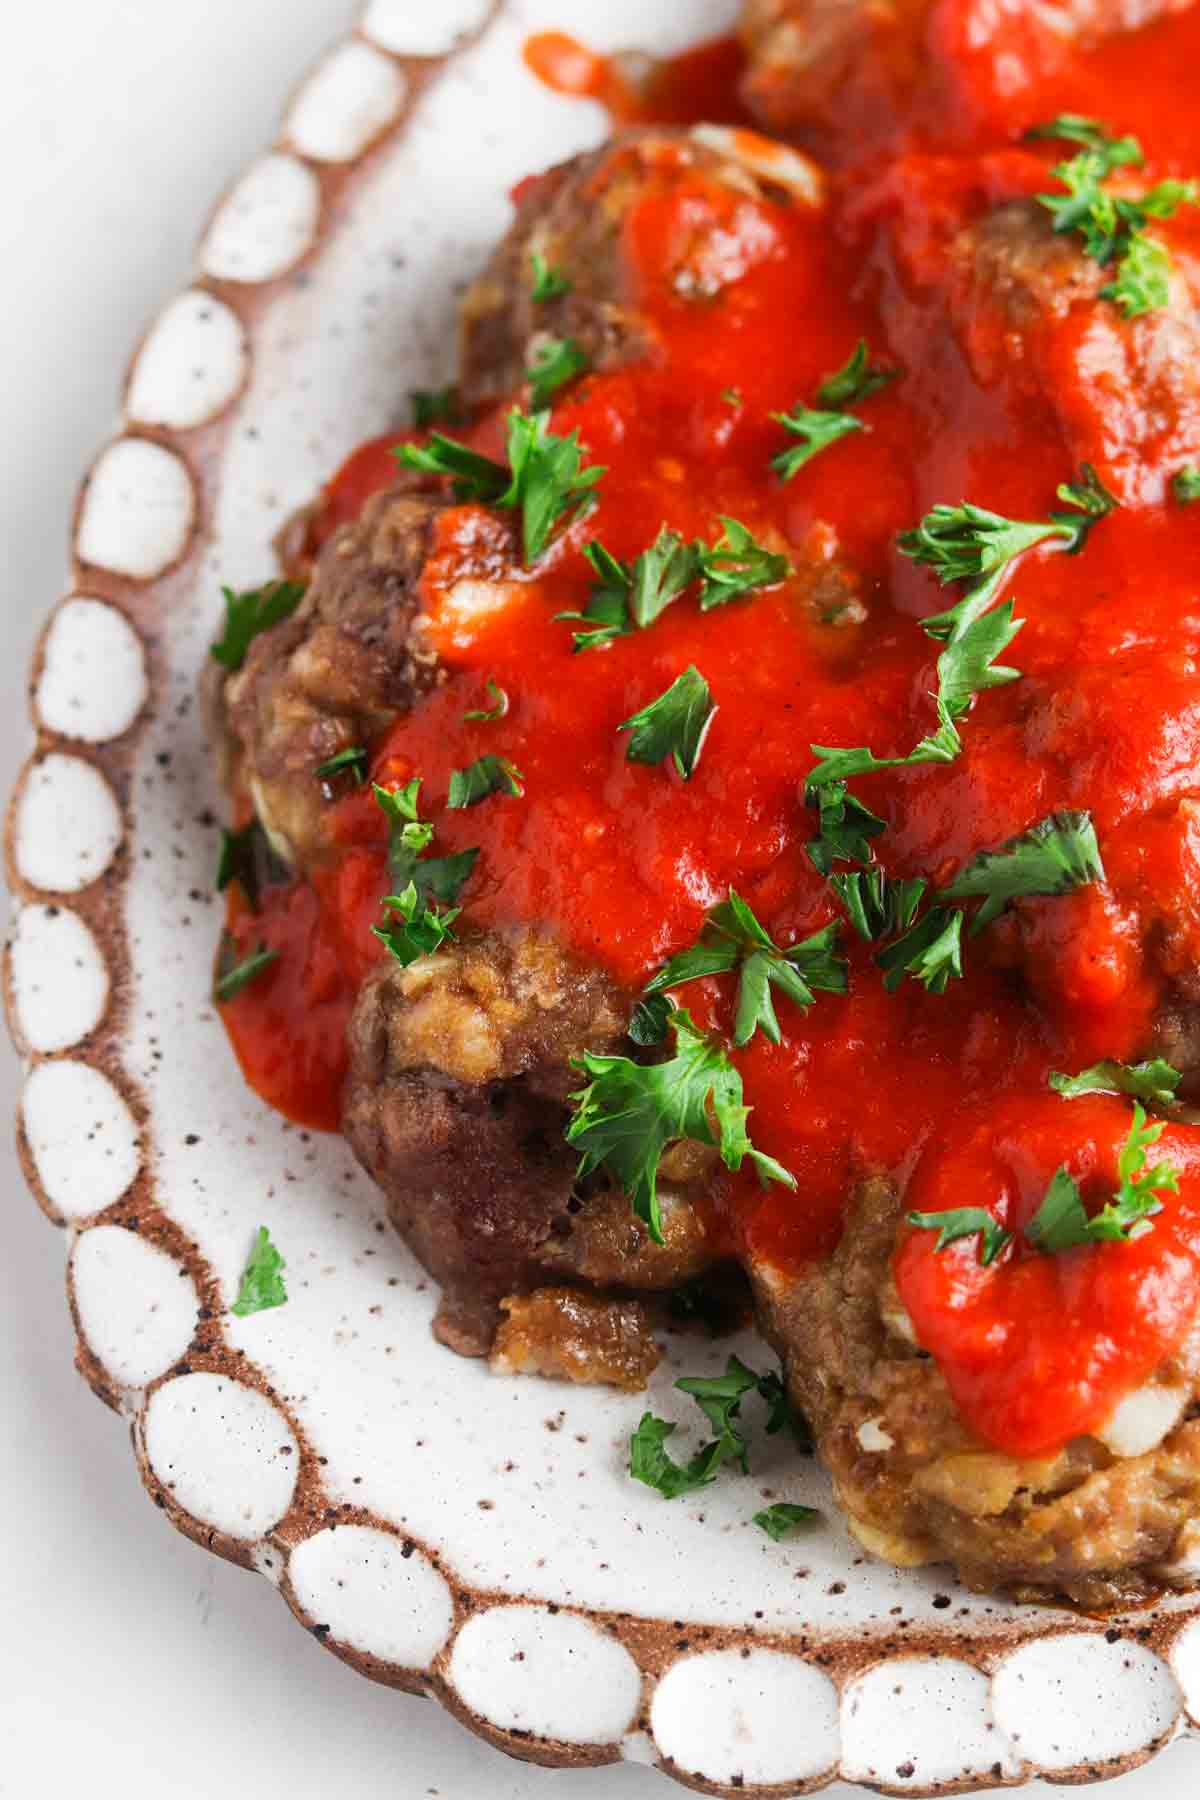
[[945, 1093]]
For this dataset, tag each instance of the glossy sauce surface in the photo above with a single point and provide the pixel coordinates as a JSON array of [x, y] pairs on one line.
[[946, 1094]]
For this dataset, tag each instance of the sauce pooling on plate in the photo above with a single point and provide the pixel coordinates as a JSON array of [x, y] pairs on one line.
[[825, 365]]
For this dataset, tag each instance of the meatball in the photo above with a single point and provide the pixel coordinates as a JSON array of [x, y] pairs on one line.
[[576, 216], [456, 1104], [1105, 1521], [838, 72], [351, 660]]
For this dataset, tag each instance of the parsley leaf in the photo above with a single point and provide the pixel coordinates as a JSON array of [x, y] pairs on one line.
[[418, 929], [845, 828], [251, 612], [233, 976], [353, 760], [816, 430], [548, 283], [487, 775], [736, 564], [633, 594], [878, 905], [652, 1463], [930, 951], [732, 936], [1155, 1080], [1185, 485], [649, 1022], [545, 479], [433, 406], [1074, 128], [1143, 278], [858, 379], [436, 877], [964, 1222], [559, 361], [261, 1285], [1062, 1221], [489, 715], [674, 725], [605, 616], [967, 666], [630, 1112], [1059, 853], [719, 1398], [780, 1520], [246, 857], [835, 765]]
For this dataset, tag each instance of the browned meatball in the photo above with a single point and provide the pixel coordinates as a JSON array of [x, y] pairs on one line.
[[456, 1104], [574, 217], [1104, 1521]]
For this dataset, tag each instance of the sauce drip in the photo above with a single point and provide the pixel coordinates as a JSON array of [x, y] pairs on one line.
[[945, 1094]]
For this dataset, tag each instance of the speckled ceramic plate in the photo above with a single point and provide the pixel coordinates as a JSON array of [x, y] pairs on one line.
[[439, 1528]]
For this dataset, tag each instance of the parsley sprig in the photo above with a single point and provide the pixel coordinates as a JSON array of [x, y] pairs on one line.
[[251, 612], [719, 1398], [487, 775], [559, 362], [733, 938], [629, 596], [261, 1286], [1113, 226], [233, 974], [629, 1112], [1155, 1080], [1062, 1221], [820, 426], [548, 283], [416, 927], [1058, 854], [439, 878], [845, 827], [735, 565], [674, 725], [546, 480], [964, 1222]]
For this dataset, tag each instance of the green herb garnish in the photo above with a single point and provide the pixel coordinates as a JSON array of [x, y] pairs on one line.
[[733, 938], [780, 1520], [559, 361], [929, 951], [735, 565], [856, 380], [548, 283], [246, 857], [435, 406], [1062, 1221], [674, 725], [353, 760], [488, 775], [878, 905], [965, 1222], [629, 1112], [651, 1016], [489, 715], [719, 1398], [845, 828], [261, 1285], [816, 431], [232, 976], [251, 612], [1185, 485], [1155, 1081], [1059, 853], [836, 765], [438, 878], [417, 929]]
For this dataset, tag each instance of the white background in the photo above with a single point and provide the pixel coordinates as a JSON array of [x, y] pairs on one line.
[[130, 1662]]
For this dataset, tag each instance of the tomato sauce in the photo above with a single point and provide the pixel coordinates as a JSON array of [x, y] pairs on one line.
[[944, 1093]]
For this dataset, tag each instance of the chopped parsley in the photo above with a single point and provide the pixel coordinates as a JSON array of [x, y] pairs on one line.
[[251, 612], [733, 938], [409, 836], [735, 565], [835, 765], [629, 1112], [650, 1019], [780, 1520], [353, 761], [1155, 1080], [674, 725], [844, 830], [548, 283], [488, 775], [719, 1398], [1113, 226], [435, 406], [246, 857], [816, 431], [878, 905], [856, 380], [964, 1222], [629, 595], [417, 928], [489, 715], [1062, 1221], [233, 976], [545, 480], [1185, 485], [1059, 853], [261, 1286], [930, 951], [559, 361]]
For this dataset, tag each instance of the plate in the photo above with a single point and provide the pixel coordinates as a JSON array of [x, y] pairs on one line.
[[440, 1529]]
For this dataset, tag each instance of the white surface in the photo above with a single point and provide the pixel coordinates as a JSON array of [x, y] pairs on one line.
[[131, 1662]]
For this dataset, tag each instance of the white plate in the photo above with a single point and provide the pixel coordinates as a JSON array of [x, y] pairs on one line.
[[436, 1527]]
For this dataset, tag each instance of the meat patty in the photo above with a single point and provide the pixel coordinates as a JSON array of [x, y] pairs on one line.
[[1105, 1521], [577, 216], [837, 72], [456, 1104]]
